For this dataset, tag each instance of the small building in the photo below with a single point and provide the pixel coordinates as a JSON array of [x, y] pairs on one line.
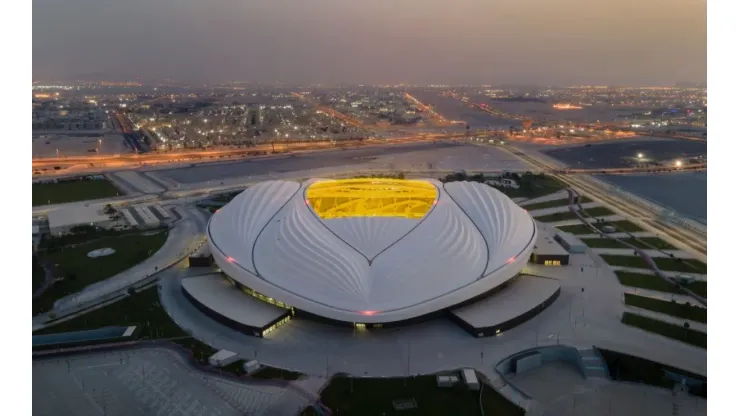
[[547, 251], [63, 219], [503, 183], [223, 358], [447, 380], [251, 366], [470, 379], [570, 242]]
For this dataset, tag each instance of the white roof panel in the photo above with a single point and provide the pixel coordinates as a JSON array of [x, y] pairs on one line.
[[269, 238]]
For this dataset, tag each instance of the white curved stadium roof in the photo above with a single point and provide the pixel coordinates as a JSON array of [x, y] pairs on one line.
[[325, 255]]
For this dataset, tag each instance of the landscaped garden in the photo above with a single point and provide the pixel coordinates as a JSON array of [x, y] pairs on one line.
[[568, 215], [680, 333], [673, 308], [620, 226], [72, 191], [74, 269], [641, 242], [666, 264]]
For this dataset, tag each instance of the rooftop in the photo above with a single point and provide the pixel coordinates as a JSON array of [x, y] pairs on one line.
[[78, 214]]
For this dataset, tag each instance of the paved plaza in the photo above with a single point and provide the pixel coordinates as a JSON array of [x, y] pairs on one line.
[[587, 313], [562, 390], [147, 381]]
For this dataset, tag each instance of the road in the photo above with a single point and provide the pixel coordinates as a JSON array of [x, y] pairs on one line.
[[694, 240]]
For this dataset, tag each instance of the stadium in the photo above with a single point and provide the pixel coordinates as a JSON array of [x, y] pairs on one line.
[[364, 252]]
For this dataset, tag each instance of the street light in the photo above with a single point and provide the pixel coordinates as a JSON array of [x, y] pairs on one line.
[[678, 163], [639, 155]]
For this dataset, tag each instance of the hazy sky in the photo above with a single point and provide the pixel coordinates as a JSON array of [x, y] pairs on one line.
[[625, 42]]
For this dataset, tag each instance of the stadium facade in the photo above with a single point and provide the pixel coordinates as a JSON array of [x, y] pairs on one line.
[[370, 251]]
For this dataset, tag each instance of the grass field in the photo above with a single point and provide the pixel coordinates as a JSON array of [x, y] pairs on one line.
[[37, 275], [562, 216], [679, 310], [642, 242], [551, 204], [621, 226], [368, 396], [687, 335], [79, 270], [666, 264], [141, 309], [652, 282], [72, 191]]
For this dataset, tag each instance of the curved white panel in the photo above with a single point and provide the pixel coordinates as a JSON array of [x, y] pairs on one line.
[[429, 261], [463, 247], [370, 235], [299, 254], [505, 226], [236, 226]]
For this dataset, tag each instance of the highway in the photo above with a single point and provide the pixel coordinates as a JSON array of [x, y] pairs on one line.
[[692, 239]]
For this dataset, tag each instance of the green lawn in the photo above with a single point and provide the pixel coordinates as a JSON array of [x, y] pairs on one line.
[[530, 185], [79, 270], [72, 191], [664, 263], [679, 310], [642, 242], [275, 373], [646, 281], [689, 336], [141, 309], [551, 204], [621, 226], [37, 275], [562, 216], [652, 282], [375, 396]]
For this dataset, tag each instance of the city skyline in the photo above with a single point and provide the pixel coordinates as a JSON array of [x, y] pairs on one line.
[[654, 42]]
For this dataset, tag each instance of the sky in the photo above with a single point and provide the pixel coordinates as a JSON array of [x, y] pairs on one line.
[[499, 42]]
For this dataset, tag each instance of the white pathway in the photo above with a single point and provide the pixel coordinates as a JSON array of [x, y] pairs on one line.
[[550, 197], [576, 221], [651, 253], [638, 234], [697, 276], [556, 210]]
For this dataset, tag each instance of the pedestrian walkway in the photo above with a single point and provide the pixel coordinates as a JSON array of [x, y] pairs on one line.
[[652, 273], [562, 194], [650, 252], [576, 221], [638, 234], [593, 364], [557, 210]]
